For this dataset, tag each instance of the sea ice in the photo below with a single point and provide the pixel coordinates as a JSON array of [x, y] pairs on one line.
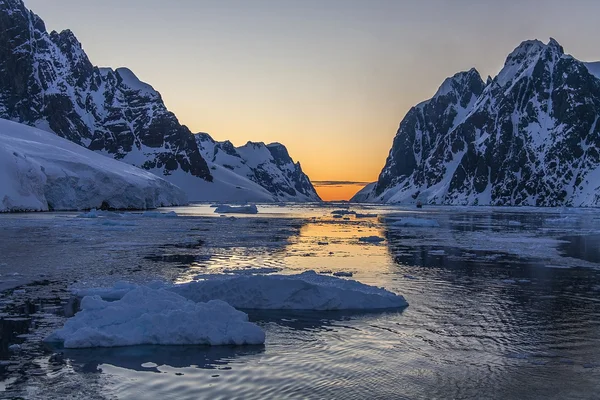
[[305, 291], [155, 316], [249, 209]]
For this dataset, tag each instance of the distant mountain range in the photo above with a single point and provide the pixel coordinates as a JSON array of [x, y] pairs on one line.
[[269, 166], [529, 136], [47, 81]]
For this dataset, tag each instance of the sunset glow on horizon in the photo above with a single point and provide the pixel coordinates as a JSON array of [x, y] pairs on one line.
[[330, 80]]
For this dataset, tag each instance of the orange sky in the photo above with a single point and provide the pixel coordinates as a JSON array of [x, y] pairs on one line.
[[338, 192]]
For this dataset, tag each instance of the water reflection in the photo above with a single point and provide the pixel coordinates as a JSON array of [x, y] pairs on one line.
[[136, 358]]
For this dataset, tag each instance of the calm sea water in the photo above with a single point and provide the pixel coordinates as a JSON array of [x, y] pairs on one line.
[[504, 303]]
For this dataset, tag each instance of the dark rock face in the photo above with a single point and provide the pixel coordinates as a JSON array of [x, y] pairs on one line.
[[530, 136], [47, 81], [270, 166]]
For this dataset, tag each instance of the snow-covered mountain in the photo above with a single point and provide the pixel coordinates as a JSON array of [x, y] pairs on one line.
[[269, 167], [529, 136], [40, 171], [47, 81]]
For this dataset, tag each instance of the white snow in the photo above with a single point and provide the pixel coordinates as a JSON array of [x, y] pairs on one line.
[[41, 171], [305, 291], [150, 316], [225, 209]]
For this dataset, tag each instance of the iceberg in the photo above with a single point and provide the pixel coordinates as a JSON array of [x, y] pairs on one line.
[[156, 316]]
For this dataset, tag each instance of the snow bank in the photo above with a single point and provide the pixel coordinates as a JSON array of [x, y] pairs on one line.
[[40, 171], [414, 222], [149, 316], [306, 291], [249, 209]]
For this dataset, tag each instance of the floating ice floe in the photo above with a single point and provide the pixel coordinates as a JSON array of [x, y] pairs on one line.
[[160, 317], [249, 209], [371, 239], [514, 223], [413, 222], [305, 291]]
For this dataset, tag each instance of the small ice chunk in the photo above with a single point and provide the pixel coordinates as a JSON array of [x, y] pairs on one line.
[[411, 277], [149, 365], [514, 223], [371, 239], [14, 348], [357, 215], [509, 281], [150, 316], [249, 209]]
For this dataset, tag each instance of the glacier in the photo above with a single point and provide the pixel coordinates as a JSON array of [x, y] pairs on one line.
[[40, 171]]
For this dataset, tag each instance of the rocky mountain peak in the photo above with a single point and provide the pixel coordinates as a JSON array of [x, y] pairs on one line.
[[529, 138]]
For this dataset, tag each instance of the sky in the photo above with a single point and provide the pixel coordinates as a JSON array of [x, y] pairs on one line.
[[330, 79]]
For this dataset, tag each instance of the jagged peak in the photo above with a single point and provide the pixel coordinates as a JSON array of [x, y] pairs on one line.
[[458, 82], [524, 55], [203, 137], [530, 48]]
